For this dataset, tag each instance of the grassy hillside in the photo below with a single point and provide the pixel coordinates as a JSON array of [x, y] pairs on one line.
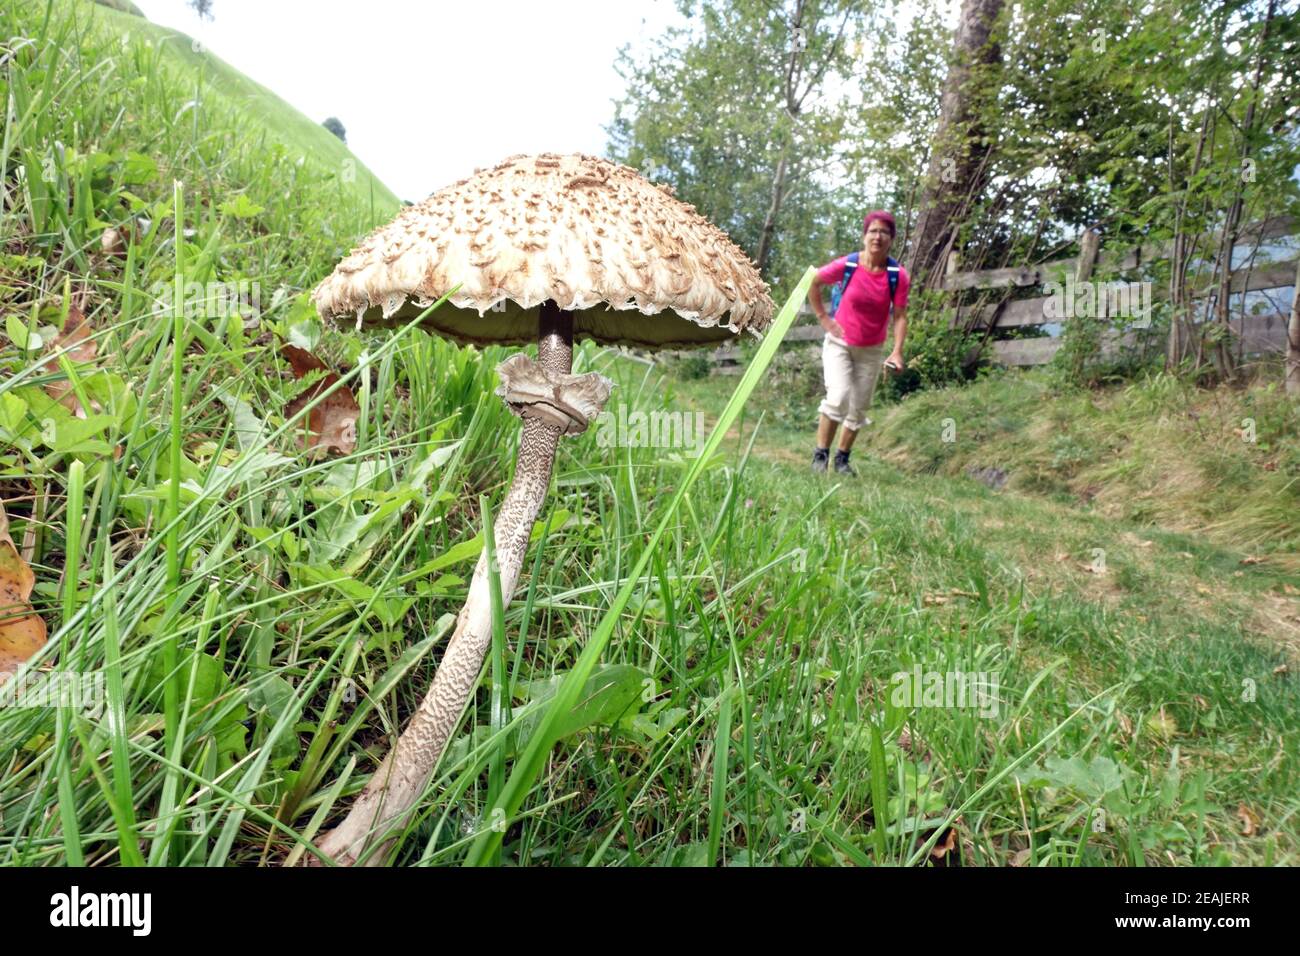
[[1222, 463], [202, 74], [264, 621]]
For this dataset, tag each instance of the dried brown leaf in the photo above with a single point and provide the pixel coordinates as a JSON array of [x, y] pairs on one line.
[[945, 845], [81, 348], [22, 632], [333, 422]]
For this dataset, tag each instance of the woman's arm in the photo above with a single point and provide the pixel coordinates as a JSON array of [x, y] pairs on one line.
[[819, 309], [900, 334]]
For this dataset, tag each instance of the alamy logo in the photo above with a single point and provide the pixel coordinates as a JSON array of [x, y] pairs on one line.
[[1098, 300], [656, 429], [75, 909], [961, 690], [211, 300], [83, 691]]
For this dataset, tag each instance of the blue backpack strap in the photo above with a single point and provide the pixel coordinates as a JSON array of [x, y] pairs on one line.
[[850, 265], [892, 267]]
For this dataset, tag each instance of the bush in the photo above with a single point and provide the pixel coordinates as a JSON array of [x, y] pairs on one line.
[[936, 354], [336, 127], [694, 365]]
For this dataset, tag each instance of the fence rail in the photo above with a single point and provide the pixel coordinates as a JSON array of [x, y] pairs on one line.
[[1259, 334], [1121, 260], [1256, 333]]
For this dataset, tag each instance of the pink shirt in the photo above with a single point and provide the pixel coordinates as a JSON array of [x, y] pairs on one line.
[[864, 308]]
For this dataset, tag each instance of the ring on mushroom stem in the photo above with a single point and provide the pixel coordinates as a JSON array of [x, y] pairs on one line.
[[509, 236]]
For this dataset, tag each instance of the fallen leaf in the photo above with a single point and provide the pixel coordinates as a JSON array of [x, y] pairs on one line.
[[934, 599], [1021, 857], [22, 631], [1281, 669], [112, 243], [1252, 559], [945, 845], [1249, 822], [333, 422], [75, 337]]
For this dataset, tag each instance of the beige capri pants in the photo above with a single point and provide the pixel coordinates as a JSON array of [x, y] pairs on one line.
[[851, 373]]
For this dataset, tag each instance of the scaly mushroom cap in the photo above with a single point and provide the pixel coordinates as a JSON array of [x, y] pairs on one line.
[[634, 265]]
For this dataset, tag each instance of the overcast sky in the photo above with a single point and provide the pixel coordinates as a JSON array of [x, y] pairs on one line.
[[430, 90]]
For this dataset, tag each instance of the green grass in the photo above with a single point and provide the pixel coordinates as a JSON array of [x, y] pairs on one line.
[[1223, 463], [265, 622], [208, 78]]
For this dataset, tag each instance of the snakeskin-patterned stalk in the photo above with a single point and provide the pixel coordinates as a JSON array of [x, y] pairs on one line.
[[383, 805]]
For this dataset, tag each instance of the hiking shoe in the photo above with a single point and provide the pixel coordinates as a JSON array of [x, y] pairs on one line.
[[820, 458], [842, 465]]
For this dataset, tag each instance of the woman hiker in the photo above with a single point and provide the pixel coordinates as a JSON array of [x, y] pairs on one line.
[[854, 346]]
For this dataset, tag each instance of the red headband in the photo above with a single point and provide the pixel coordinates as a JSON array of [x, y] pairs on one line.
[[880, 216]]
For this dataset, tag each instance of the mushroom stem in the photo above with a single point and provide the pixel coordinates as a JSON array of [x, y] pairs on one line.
[[400, 780]]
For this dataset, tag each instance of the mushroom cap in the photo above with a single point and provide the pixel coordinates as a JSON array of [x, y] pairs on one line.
[[632, 263]]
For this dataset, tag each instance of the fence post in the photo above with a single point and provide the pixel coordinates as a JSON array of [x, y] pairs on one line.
[[1089, 244], [1085, 338], [950, 269]]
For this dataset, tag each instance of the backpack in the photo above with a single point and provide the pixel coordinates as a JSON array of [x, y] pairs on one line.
[[837, 293]]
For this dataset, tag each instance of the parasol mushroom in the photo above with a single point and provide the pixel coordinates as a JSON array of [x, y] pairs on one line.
[[546, 248]]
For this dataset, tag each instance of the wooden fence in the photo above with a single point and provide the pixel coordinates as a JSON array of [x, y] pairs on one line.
[[1258, 333]]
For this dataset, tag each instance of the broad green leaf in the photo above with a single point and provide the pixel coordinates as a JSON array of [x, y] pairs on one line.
[[17, 330], [13, 413], [241, 207], [139, 169], [609, 694]]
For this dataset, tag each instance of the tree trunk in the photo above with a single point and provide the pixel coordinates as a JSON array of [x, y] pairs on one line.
[[792, 108], [798, 64], [769, 220], [957, 166], [1293, 341], [1225, 362], [1182, 325]]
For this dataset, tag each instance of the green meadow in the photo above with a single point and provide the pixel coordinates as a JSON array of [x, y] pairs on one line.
[[747, 637]]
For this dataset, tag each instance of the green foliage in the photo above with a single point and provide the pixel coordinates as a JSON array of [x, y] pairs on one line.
[[936, 355], [335, 126], [693, 365], [708, 111]]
